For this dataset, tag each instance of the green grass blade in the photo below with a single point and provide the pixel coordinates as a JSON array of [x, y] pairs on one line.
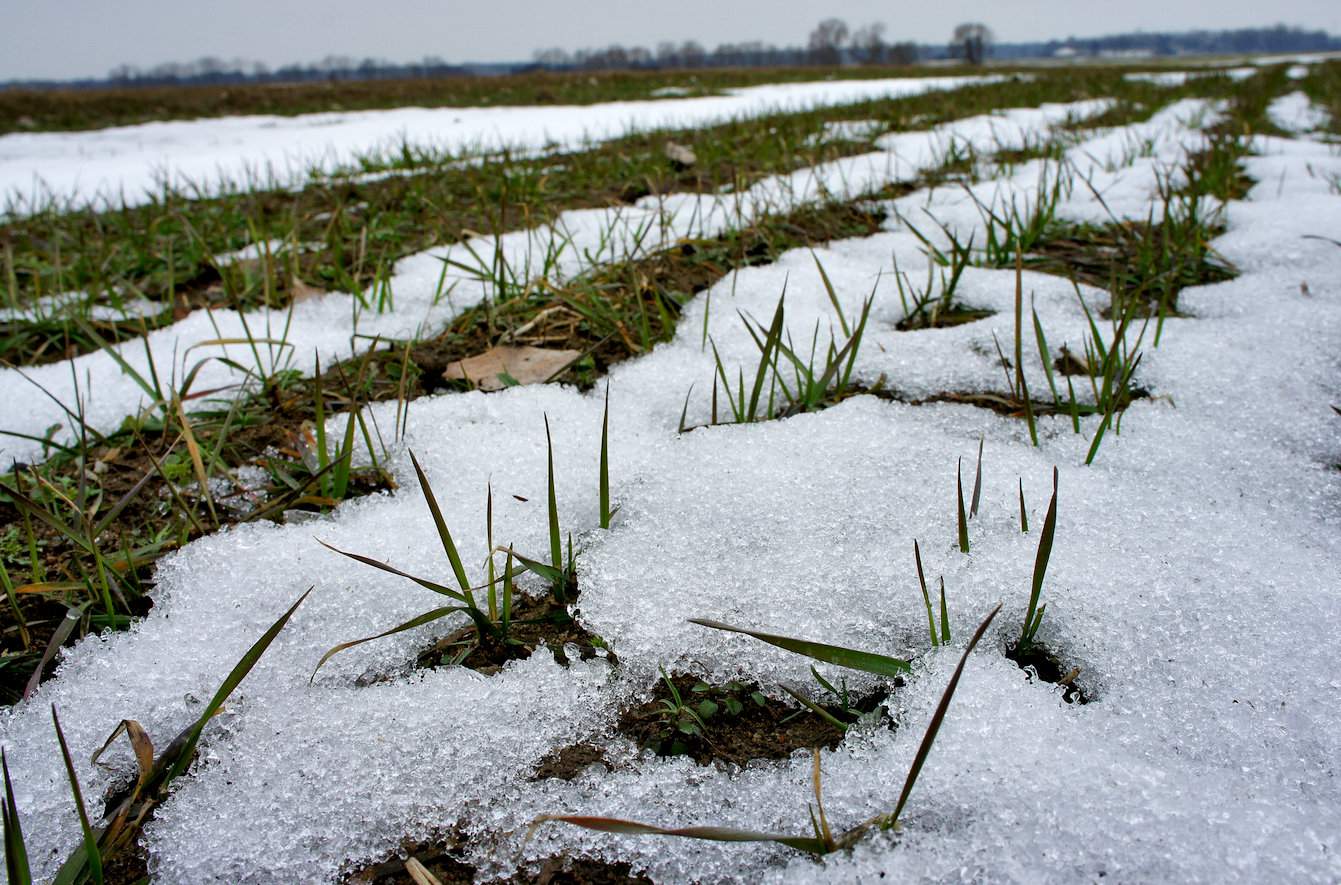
[[391, 569], [868, 662], [926, 597], [417, 621], [506, 620], [16, 851], [929, 739], [91, 856], [234, 678], [1044, 355], [1041, 565], [815, 708], [1024, 514], [945, 617], [772, 341], [319, 426], [605, 457], [959, 498], [555, 538], [833, 296], [977, 482], [448, 545]]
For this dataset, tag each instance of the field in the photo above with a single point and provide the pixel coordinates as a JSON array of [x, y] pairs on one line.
[[673, 479]]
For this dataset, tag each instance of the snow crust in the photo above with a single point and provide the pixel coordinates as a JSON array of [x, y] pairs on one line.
[[1297, 113], [428, 291], [1193, 581], [130, 164]]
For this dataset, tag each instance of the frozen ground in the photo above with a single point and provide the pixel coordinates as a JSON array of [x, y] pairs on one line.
[[130, 164], [1193, 581]]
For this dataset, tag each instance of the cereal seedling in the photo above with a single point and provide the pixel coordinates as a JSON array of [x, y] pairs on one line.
[[606, 512], [959, 500], [486, 628], [1033, 616], [868, 662], [941, 636], [128, 811], [822, 841], [16, 851]]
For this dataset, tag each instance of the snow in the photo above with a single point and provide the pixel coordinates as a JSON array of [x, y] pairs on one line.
[[131, 164], [1297, 113], [1178, 78], [1192, 581], [428, 293]]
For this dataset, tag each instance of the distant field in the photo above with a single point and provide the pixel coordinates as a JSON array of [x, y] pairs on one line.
[[50, 110], [47, 110]]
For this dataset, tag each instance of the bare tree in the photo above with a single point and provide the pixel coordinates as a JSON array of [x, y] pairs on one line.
[[692, 54], [905, 53], [554, 57], [826, 41], [971, 42], [869, 43]]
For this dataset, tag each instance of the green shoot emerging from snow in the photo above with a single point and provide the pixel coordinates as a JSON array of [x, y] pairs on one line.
[[822, 840]]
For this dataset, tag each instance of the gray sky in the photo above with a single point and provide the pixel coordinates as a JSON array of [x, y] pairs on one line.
[[72, 38]]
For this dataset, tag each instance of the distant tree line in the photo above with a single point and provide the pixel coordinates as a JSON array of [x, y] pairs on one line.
[[212, 70], [831, 43], [1278, 38]]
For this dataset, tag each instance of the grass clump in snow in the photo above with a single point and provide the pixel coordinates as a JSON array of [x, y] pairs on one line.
[[796, 381], [821, 840], [131, 807]]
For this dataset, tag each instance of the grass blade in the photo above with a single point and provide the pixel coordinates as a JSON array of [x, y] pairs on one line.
[[1024, 515], [963, 520], [391, 569], [605, 456], [712, 834], [555, 539], [16, 851], [926, 597], [928, 739], [977, 483], [448, 546], [1031, 622], [869, 662], [945, 617], [833, 296], [88, 856], [418, 621], [234, 678], [813, 707]]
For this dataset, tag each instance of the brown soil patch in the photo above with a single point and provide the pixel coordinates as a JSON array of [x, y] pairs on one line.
[[440, 861], [566, 763], [538, 621], [1049, 668], [756, 727]]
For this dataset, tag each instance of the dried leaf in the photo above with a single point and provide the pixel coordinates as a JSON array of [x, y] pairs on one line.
[[300, 291], [525, 365]]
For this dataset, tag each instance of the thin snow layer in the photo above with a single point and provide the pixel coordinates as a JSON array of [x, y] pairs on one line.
[[1190, 581], [1178, 78], [1296, 112], [61, 305], [132, 163], [432, 287]]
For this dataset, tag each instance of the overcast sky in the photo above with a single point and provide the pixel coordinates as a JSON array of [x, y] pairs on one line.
[[73, 38]]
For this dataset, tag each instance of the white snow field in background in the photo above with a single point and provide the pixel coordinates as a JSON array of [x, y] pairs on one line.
[[1297, 113], [131, 164], [428, 293], [1193, 580]]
